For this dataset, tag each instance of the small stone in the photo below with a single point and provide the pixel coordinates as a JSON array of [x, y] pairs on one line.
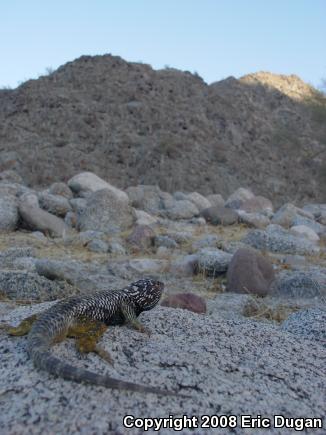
[[287, 213], [54, 204], [165, 241], [40, 220], [249, 272], [184, 266], [258, 204], [148, 265], [256, 220], [87, 236], [216, 199], [116, 248], [61, 189], [186, 301], [310, 223], [182, 209], [199, 200], [8, 213], [143, 218], [238, 197]]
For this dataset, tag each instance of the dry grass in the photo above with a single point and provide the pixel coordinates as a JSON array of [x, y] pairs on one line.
[[257, 308]]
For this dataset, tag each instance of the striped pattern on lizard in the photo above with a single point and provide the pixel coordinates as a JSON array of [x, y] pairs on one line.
[[86, 318]]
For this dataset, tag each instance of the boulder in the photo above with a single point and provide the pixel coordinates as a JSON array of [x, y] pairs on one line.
[[309, 324], [30, 198], [220, 215], [238, 197], [28, 286], [86, 182], [199, 200], [54, 204], [286, 214], [87, 236], [301, 284], [98, 245], [210, 241], [277, 239], [249, 272], [145, 266], [37, 219], [216, 199], [256, 220], [141, 237], [310, 223], [143, 218], [105, 212], [186, 301], [149, 198], [212, 262], [8, 213], [304, 231], [184, 266], [166, 241], [182, 209], [258, 204], [61, 189]]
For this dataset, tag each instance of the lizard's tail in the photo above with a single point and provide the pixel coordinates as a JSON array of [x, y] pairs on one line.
[[39, 352]]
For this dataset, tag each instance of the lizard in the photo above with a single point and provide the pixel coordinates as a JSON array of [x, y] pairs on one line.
[[86, 318]]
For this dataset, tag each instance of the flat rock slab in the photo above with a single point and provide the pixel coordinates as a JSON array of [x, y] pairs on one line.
[[227, 366]]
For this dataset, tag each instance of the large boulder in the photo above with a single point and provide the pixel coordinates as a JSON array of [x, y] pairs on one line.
[[8, 213], [249, 272], [287, 213], [212, 262], [238, 197], [106, 212], [37, 219], [199, 200], [219, 215], [304, 231], [55, 204], [149, 198], [182, 209], [277, 239], [87, 182]]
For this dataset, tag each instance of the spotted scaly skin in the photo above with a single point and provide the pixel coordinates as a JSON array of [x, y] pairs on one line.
[[113, 307]]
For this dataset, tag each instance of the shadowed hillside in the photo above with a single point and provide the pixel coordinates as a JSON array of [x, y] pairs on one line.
[[131, 124]]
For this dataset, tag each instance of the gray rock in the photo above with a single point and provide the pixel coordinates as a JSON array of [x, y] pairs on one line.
[[310, 223], [165, 241], [210, 241], [287, 213], [141, 238], [27, 286], [258, 204], [39, 236], [145, 266], [116, 248], [308, 324], [231, 246], [277, 239], [30, 198], [40, 220], [105, 212], [143, 218], [307, 284], [315, 209], [97, 245], [220, 215], [249, 272], [54, 204], [11, 254], [186, 301], [86, 182], [213, 262], [61, 189], [256, 220], [78, 204], [10, 176], [8, 213], [182, 209], [199, 200], [216, 199], [238, 197], [249, 367], [304, 231], [149, 198], [71, 219], [179, 196], [184, 266]]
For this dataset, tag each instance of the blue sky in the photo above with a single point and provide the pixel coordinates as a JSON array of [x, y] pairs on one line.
[[216, 38]]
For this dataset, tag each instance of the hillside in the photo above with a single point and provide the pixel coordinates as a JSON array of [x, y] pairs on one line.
[[132, 125]]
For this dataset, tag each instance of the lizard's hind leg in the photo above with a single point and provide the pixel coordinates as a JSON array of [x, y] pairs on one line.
[[23, 328], [87, 334]]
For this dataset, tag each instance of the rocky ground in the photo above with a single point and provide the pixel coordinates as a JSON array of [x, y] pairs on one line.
[[241, 327]]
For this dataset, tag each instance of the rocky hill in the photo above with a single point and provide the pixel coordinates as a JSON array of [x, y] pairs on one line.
[[133, 125]]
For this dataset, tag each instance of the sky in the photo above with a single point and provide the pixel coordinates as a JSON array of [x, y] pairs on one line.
[[215, 38]]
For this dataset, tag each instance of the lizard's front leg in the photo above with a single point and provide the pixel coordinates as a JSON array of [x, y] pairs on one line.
[[131, 318]]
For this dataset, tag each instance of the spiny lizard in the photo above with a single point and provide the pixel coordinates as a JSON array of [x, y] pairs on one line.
[[86, 318]]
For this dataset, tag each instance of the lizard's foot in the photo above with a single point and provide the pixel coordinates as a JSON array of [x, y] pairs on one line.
[[88, 343], [23, 328], [104, 354]]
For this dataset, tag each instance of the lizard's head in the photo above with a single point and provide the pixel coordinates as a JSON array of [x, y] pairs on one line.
[[146, 293]]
